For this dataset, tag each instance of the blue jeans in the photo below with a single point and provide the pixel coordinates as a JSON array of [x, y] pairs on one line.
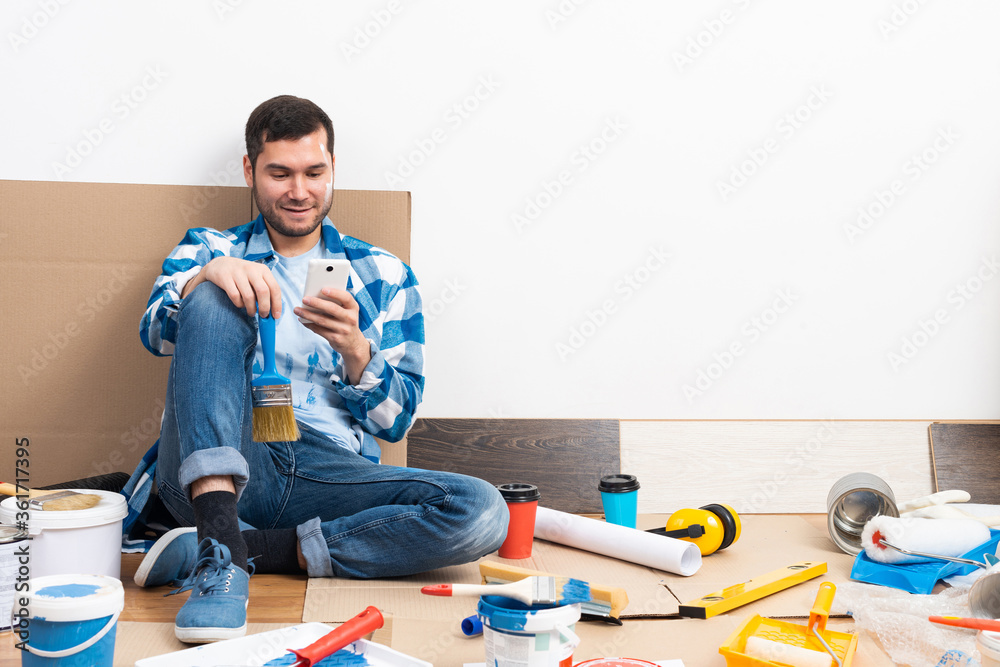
[[353, 517]]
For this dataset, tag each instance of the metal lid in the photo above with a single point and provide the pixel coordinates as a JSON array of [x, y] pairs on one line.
[[10, 534]]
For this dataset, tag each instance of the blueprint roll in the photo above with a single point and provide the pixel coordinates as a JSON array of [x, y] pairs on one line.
[[608, 539]]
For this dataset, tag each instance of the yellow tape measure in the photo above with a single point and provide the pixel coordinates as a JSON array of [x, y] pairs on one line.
[[754, 589]]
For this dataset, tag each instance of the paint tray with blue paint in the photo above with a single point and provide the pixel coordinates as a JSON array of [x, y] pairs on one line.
[[918, 577], [272, 646]]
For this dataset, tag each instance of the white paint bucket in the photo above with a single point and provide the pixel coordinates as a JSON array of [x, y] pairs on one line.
[[72, 620], [517, 635], [73, 541], [988, 644]]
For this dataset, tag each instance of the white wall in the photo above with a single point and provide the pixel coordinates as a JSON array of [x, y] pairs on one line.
[[484, 110]]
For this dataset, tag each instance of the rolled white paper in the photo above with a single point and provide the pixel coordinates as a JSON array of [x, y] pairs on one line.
[[609, 539]]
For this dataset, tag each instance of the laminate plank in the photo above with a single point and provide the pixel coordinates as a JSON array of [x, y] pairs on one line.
[[966, 456], [769, 466], [564, 458]]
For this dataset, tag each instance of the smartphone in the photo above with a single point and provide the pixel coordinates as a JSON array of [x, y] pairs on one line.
[[325, 273]]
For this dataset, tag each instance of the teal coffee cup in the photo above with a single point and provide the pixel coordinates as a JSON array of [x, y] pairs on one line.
[[619, 495]]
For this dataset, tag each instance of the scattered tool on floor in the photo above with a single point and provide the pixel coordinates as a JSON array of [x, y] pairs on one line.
[[764, 641], [947, 537], [711, 527], [953, 559], [606, 602], [530, 591], [989, 624], [367, 621], [54, 500], [738, 595], [273, 416]]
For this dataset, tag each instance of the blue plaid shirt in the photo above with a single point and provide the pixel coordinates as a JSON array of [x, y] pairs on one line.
[[385, 400]]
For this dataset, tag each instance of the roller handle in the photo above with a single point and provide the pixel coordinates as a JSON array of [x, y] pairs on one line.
[[367, 621], [962, 622], [820, 611]]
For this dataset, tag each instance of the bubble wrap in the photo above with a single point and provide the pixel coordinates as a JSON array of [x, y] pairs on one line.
[[899, 621]]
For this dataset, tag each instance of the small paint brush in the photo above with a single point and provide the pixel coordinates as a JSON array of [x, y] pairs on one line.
[[54, 500], [530, 590], [988, 624], [273, 416]]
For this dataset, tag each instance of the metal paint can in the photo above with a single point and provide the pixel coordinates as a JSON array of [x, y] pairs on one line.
[[984, 596], [852, 501]]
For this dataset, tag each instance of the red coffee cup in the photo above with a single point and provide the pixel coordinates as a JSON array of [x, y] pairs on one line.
[[522, 502]]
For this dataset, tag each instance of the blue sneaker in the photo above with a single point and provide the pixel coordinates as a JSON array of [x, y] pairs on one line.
[[220, 592], [170, 559]]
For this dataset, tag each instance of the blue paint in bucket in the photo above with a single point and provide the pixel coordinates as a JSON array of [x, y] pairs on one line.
[[69, 590], [536, 636], [72, 621]]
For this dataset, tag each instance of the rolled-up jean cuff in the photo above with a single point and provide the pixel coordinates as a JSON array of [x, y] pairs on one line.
[[214, 461], [314, 549]]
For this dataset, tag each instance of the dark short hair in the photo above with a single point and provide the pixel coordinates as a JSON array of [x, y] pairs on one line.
[[284, 117]]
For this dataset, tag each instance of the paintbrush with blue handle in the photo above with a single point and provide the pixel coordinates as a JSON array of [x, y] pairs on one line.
[[273, 416], [530, 590]]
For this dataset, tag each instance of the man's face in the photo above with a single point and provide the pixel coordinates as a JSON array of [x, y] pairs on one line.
[[293, 183]]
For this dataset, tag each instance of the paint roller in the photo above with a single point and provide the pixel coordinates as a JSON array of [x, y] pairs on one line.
[[896, 540], [785, 654]]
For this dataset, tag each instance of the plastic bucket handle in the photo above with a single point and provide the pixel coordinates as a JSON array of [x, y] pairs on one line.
[[571, 637], [62, 653]]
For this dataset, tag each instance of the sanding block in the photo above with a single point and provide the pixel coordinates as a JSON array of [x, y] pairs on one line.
[[606, 601]]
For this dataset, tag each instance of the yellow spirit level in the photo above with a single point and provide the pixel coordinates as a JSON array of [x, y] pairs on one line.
[[754, 589]]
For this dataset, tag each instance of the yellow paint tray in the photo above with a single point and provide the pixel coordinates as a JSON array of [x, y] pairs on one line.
[[801, 636]]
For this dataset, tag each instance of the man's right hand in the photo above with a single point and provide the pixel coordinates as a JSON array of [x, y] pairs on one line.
[[249, 285]]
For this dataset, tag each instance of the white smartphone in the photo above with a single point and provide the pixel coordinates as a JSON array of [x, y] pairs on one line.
[[325, 273]]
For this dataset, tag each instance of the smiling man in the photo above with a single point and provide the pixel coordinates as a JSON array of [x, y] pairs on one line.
[[323, 504]]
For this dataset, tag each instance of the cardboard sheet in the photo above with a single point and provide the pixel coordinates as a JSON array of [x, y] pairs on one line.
[[82, 394], [768, 542], [443, 644], [336, 600], [428, 628]]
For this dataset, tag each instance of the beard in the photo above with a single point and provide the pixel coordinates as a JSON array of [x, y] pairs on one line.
[[272, 216]]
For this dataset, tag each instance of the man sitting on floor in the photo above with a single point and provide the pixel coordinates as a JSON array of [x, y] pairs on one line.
[[319, 505]]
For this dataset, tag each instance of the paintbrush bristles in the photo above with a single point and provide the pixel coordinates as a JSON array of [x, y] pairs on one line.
[[275, 424], [570, 591], [64, 501]]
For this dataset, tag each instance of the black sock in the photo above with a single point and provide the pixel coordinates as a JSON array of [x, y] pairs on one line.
[[215, 517], [273, 551]]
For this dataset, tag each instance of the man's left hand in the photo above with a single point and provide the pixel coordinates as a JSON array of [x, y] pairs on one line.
[[334, 316]]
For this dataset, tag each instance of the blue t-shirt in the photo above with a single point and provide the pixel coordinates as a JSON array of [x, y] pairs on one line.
[[307, 359]]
